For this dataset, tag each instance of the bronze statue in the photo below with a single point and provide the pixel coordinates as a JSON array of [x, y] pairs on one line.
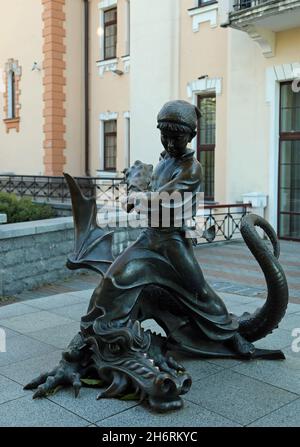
[[158, 277]]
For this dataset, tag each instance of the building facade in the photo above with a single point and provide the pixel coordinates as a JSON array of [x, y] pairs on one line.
[[83, 92]]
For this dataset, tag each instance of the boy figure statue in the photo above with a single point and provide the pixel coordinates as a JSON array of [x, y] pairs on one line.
[[157, 277]]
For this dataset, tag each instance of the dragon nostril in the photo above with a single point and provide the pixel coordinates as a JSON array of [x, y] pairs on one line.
[[187, 383], [168, 386]]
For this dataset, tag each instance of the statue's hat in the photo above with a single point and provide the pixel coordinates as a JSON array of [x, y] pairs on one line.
[[180, 112]]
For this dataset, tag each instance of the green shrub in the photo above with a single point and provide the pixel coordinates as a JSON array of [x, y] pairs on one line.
[[23, 210]]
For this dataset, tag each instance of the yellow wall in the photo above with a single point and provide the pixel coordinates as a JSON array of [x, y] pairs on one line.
[[21, 39], [109, 93], [205, 53]]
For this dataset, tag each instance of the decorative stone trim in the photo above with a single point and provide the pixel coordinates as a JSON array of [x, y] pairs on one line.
[[54, 81], [204, 14], [104, 4], [126, 63], [108, 116], [204, 85], [265, 38], [107, 65], [12, 65]]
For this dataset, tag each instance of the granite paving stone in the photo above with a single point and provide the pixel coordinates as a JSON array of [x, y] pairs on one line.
[[55, 301], [14, 310], [21, 348], [279, 339], [190, 416], [34, 321], [284, 374], [286, 416], [58, 336], [26, 412], [74, 312], [290, 321], [87, 406], [26, 370], [238, 397], [9, 390]]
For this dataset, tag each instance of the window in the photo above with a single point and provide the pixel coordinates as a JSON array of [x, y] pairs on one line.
[[110, 145], [12, 92], [11, 95], [206, 143], [110, 33], [289, 164], [206, 2]]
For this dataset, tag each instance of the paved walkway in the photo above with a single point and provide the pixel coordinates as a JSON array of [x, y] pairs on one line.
[[224, 392]]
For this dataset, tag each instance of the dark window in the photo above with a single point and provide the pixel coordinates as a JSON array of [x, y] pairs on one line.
[[11, 87], [110, 33], [206, 2], [206, 143], [110, 145], [289, 164]]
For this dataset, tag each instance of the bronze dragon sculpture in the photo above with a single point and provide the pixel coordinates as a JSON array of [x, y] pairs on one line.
[[158, 278]]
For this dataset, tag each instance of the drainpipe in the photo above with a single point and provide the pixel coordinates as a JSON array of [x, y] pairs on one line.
[[86, 90]]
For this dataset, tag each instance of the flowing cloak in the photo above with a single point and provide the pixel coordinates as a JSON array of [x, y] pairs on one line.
[[159, 277]]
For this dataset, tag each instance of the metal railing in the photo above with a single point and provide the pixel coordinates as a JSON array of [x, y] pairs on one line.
[[240, 5], [217, 222], [221, 222], [55, 189]]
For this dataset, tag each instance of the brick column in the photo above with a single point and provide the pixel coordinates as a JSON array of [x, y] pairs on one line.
[[53, 82]]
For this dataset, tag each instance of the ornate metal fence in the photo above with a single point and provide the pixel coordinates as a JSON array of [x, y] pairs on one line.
[[220, 222], [215, 222], [55, 189], [245, 4]]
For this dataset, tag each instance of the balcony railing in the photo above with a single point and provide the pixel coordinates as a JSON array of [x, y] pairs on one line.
[[240, 5]]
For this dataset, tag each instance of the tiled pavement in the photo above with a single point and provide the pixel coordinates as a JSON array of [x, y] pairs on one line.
[[224, 392]]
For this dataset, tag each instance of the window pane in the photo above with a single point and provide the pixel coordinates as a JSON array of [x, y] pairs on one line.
[[207, 160], [208, 120], [11, 95], [110, 16], [290, 226], [206, 143], [110, 34], [290, 109], [110, 145]]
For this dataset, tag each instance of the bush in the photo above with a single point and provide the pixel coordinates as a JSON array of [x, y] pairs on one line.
[[23, 210]]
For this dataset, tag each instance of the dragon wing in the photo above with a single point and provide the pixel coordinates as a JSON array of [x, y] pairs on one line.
[[93, 244]]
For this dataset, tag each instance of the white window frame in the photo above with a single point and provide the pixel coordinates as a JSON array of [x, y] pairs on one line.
[[108, 116], [200, 87], [127, 160], [103, 6]]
